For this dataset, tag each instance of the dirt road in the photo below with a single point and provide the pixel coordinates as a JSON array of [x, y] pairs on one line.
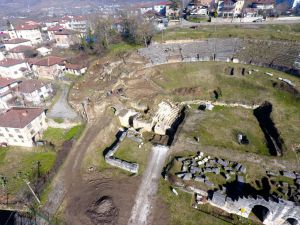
[[145, 198], [62, 109]]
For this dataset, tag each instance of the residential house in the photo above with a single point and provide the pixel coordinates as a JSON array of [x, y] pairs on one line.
[[75, 23], [35, 91], [52, 30], [263, 4], [14, 68], [22, 52], [7, 88], [49, 67], [22, 126], [66, 38], [75, 69], [230, 8], [43, 51], [12, 43], [30, 32]]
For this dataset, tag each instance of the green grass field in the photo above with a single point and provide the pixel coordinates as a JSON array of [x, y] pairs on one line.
[[58, 136], [219, 128], [19, 164], [288, 32]]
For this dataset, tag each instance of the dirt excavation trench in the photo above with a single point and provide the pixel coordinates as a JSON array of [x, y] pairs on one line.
[[141, 213]]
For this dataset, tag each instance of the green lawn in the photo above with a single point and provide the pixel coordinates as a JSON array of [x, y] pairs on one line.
[[188, 81], [20, 164], [58, 136], [220, 127], [122, 47], [288, 32], [130, 152]]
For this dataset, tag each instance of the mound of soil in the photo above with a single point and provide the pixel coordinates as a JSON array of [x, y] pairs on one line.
[[187, 91], [287, 88], [103, 212]]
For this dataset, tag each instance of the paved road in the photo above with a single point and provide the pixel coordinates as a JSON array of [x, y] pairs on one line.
[[61, 108], [145, 198], [185, 23]]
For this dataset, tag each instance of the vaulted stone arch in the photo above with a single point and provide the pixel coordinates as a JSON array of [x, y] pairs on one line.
[[261, 212], [291, 221]]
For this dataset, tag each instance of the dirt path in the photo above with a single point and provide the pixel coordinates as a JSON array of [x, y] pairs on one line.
[[145, 198]]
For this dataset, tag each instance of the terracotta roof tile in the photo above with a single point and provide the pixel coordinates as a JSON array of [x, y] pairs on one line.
[[10, 62], [49, 61], [6, 81], [21, 48], [27, 27], [16, 41], [74, 66], [29, 86], [19, 117]]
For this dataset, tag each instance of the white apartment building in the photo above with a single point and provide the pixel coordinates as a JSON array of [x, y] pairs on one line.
[[22, 126], [7, 88], [13, 68], [21, 52], [30, 32], [13, 43], [35, 91]]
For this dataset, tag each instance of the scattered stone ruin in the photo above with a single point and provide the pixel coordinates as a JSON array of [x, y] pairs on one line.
[[279, 55], [270, 211], [110, 159], [160, 123]]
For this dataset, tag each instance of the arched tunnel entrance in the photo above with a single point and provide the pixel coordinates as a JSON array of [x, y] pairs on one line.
[[291, 221], [260, 212]]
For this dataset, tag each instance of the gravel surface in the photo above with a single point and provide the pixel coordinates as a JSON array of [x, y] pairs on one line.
[[145, 198], [62, 109]]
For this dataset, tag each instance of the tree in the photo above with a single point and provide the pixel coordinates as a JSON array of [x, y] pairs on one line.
[[138, 30], [174, 4]]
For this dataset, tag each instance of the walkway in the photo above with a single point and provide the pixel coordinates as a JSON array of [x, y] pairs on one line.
[[145, 198], [62, 109]]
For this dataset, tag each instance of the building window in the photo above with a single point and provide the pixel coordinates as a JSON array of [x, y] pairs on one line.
[[17, 130], [1, 135], [29, 126], [20, 136], [32, 131], [6, 129], [10, 135]]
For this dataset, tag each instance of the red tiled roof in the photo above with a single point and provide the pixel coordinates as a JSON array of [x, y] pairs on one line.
[[55, 28], [16, 41], [19, 117], [20, 49], [10, 62], [74, 66], [29, 86], [263, 2], [6, 81], [27, 27], [48, 61], [64, 32]]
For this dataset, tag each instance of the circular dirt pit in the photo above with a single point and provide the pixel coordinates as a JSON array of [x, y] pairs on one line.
[[103, 212]]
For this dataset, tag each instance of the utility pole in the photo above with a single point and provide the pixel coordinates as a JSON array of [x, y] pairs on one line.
[[36, 197]]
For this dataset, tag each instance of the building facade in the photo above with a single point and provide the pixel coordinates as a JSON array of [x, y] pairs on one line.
[[14, 68], [22, 126]]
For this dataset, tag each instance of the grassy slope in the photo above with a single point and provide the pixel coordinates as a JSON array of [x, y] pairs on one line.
[[220, 127], [130, 152], [248, 89], [264, 32], [20, 164]]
